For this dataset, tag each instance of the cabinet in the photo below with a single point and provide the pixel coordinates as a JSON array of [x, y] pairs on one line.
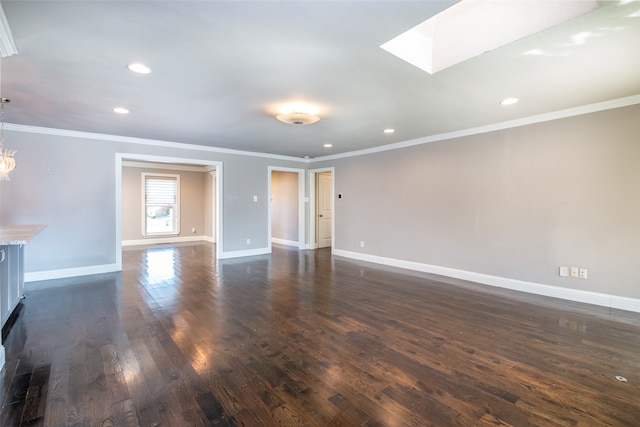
[[11, 279]]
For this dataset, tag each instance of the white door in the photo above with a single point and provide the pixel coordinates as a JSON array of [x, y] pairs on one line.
[[324, 198]]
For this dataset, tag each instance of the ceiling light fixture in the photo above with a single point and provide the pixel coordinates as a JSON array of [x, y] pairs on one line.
[[328, 145], [120, 110], [509, 101], [139, 68], [389, 130], [436, 43], [298, 114], [7, 161]]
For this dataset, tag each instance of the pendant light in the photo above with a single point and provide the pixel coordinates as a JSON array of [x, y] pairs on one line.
[[7, 161]]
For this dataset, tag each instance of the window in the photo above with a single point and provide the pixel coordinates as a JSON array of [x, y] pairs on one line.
[[161, 204]]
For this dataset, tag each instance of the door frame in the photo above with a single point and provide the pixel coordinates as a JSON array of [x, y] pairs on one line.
[[313, 215], [301, 200], [218, 218]]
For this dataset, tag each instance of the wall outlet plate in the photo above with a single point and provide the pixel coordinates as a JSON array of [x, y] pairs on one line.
[[583, 273], [564, 271], [575, 272]]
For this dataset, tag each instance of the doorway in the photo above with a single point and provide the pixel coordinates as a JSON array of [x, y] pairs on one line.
[[212, 199], [286, 206], [321, 210]]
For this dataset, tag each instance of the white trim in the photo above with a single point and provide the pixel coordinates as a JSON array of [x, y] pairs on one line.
[[164, 240], [301, 217], [120, 157], [286, 242], [605, 300], [7, 44], [539, 118], [149, 165], [142, 141], [143, 194], [312, 244], [64, 273], [248, 252]]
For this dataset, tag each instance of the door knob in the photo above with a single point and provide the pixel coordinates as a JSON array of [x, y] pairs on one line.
[[320, 215]]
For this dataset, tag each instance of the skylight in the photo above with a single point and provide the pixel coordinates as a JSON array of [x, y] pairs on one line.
[[472, 27]]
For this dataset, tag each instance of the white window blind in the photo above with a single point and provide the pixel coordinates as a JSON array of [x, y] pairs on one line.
[[160, 191]]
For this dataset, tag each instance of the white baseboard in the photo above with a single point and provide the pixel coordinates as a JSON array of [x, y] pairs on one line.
[[163, 240], [64, 273], [248, 252], [287, 242], [605, 300]]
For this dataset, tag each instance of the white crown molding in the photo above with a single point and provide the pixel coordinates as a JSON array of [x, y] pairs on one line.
[[577, 295], [554, 115], [142, 141], [570, 112], [7, 45]]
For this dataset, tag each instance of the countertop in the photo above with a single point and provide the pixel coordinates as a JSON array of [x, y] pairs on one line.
[[19, 234]]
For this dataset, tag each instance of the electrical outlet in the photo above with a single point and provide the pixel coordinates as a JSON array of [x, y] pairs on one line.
[[362, 243], [583, 273], [248, 241], [575, 272], [564, 271]]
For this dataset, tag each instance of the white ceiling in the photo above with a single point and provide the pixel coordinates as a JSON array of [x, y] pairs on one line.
[[221, 69]]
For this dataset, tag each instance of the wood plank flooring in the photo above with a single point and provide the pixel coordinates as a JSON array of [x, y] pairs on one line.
[[307, 339]]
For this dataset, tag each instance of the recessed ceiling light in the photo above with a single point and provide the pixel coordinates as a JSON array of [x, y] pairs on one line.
[[328, 145], [389, 130], [139, 68], [509, 101], [120, 110]]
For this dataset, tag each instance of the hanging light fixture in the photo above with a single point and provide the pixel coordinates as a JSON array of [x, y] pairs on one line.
[[7, 162]]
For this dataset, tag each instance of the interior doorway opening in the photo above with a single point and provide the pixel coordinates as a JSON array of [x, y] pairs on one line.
[[210, 192], [286, 207]]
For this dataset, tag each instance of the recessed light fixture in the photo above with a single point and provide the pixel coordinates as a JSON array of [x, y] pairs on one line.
[[328, 145], [389, 130], [509, 101], [139, 68], [121, 110]]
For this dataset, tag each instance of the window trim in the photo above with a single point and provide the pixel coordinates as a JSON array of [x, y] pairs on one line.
[[143, 180]]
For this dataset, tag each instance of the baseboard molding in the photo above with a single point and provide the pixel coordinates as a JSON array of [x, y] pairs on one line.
[[248, 252], [287, 242], [164, 240], [605, 300], [64, 273]]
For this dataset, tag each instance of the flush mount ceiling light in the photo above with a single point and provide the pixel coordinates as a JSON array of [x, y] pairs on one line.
[[120, 110], [298, 114], [472, 27], [139, 68], [509, 101], [389, 130]]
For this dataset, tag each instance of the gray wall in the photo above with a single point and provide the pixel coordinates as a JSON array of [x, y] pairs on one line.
[[514, 203], [68, 183], [192, 202], [284, 205]]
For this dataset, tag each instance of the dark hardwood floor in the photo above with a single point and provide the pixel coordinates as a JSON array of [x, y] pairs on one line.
[[303, 338]]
